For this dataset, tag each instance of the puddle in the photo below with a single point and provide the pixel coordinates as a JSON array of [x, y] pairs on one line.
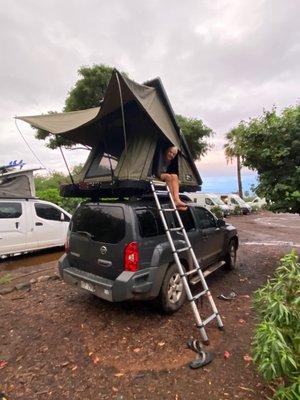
[[30, 261]]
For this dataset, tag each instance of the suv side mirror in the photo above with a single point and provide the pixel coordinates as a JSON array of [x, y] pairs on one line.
[[220, 223], [62, 216]]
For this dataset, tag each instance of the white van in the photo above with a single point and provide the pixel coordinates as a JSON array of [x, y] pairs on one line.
[[257, 202], [31, 224], [233, 200], [208, 200]]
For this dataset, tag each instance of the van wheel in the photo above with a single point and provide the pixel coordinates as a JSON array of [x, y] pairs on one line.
[[172, 293], [231, 256]]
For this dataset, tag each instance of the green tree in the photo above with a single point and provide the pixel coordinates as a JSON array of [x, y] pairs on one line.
[[270, 145], [47, 188], [50, 181], [232, 151], [88, 92], [196, 134]]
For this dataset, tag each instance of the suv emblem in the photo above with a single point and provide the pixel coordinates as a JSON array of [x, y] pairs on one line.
[[103, 250]]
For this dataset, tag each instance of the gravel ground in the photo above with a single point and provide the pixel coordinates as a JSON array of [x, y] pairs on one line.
[[59, 343]]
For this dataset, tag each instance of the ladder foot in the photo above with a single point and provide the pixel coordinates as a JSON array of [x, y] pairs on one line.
[[221, 328], [204, 358], [205, 342]]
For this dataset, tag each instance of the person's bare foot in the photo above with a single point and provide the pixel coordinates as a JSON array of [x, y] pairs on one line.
[[181, 208], [180, 205]]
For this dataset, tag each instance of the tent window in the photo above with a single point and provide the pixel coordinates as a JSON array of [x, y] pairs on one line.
[[158, 159], [102, 165]]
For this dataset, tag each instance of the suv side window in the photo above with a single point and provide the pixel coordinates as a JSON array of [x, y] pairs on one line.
[[47, 212], [204, 218], [10, 210], [187, 220], [150, 223]]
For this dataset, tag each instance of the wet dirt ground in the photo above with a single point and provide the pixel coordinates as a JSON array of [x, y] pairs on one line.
[[63, 344]]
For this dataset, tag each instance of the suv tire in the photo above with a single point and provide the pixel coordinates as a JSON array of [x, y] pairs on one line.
[[172, 293], [231, 256]]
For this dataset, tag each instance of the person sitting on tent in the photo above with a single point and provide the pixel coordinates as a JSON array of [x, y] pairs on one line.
[[171, 179]]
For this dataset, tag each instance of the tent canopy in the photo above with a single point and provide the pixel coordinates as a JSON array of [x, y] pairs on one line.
[[126, 134]]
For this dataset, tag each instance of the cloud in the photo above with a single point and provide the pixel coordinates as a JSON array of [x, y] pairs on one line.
[[220, 61]]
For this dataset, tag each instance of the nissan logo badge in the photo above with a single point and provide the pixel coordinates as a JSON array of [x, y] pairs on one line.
[[103, 250]]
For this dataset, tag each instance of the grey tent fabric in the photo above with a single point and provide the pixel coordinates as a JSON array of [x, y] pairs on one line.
[[62, 122], [124, 149], [15, 187], [70, 124]]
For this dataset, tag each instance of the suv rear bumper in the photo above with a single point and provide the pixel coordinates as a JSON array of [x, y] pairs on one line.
[[141, 285]]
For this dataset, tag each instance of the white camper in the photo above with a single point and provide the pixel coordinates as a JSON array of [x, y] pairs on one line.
[[26, 223], [208, 200], [233, 200]]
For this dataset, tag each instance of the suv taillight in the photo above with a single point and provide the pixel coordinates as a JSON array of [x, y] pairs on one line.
[[131, 257]]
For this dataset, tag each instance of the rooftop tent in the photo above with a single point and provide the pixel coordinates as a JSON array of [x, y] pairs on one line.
[[127, 135], [17, 184]]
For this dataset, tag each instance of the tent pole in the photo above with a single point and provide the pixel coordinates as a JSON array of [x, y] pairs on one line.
[[123, 118], [63, 156]]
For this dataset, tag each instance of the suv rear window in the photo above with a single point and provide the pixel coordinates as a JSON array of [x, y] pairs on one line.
[[150, 223], [103, 223]]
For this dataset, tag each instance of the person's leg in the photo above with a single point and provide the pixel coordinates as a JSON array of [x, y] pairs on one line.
[[173, 184], [169, 181], [175, 193]]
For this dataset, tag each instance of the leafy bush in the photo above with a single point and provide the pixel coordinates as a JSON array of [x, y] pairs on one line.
[[237, 210], [52, 195], [276, 345], [217, 211], [255, 208]]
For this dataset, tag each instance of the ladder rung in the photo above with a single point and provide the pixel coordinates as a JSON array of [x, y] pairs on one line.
[[197, 296], [192, 271], [175, 229], [159, 188], [210, 318], [164, 192], [181, 250]]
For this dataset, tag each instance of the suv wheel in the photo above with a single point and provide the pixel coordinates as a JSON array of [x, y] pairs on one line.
[[231, 256], [172, 293]]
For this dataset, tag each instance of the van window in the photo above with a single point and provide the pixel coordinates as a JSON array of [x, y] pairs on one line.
[[48, 212], [10, 210], [208, 201], [150, 223], [103, 223], [204, 218]]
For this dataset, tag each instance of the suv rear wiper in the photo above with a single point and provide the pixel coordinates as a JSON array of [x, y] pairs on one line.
[[85, 233]]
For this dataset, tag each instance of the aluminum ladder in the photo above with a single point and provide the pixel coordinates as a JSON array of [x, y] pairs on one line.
[[183, 274]]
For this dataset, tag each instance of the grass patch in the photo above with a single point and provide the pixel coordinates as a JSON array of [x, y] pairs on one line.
[[6, 278]]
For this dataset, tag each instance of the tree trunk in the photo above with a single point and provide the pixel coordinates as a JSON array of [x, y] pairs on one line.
[[239, 177]]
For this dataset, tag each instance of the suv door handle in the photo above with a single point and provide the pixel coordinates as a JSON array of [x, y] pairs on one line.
[[17, 225], [39, 224]]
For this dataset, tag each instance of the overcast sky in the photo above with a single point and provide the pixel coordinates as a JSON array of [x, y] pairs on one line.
[[221, 61]]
